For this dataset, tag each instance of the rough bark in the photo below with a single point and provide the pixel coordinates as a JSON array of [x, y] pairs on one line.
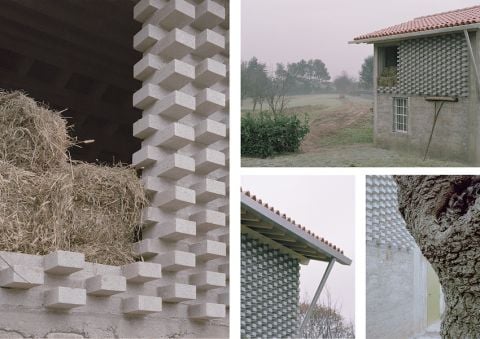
[[443, 215]]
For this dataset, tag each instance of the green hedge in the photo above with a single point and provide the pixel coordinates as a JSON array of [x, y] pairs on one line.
[[265, 134]]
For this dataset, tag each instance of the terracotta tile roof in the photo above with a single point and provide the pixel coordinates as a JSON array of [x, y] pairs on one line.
[[459, 17], [284, 216]]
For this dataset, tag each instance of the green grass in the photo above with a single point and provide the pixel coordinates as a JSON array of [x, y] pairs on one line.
[[361, 133]]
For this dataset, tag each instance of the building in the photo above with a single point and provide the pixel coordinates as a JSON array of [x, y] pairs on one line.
[[404, 297], [426, 83], [78, 56], [272, 248]]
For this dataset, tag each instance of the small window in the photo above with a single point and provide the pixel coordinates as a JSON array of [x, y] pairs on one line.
[[400, 115], [387, 66]]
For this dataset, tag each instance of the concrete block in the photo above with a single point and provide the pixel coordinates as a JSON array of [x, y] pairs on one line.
[[151, 184], [174, 230], [176, 14], [225, 238], [224, 298], [175, 136], [209, 72], [208, 250], [208, 280], [175, 198], [208, 43], [209, 101], [146, 126], [65, 297], [151, 215], [64, 262], [208, 15], [174, 75], [63, 335], [141, 305], [208, 220], [176, 44], [146, 66], [106, 285], [145, 8], [174, 105], [146, 37], [176, 293], [206, 311], [146, 248], [177, 260], [224, 268], [208, 160], [23, 277], [142, 272], [175, 166], [209, 131], [209, 189], [146, 156], [147, 96]]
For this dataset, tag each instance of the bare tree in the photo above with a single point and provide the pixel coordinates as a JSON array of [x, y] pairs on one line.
[[276, 94], [443, 215]]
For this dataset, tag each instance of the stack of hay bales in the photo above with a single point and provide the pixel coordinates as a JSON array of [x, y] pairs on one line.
[[48, 202]]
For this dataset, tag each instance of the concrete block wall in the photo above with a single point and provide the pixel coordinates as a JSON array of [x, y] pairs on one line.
[[184, 153]]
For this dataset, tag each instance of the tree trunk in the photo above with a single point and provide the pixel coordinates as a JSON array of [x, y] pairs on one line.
[[443, 215]]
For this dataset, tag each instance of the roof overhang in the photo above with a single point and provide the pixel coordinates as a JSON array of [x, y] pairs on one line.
[[272, 226], [419, 34]]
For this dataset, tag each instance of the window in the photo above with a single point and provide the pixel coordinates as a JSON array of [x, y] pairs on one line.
[[400, 115], [387, 66]]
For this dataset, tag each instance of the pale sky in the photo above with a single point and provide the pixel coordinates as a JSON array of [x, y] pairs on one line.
[[289, 30], [325, 205]]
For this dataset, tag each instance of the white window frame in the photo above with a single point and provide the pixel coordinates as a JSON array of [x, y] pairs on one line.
[[400, 114]]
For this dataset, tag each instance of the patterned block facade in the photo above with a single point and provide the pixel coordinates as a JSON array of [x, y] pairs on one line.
[[269, 291], [434, 66], [385, 226], [184, 153]]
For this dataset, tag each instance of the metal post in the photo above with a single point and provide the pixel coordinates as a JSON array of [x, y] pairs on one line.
[[472, 57], [317, 295]]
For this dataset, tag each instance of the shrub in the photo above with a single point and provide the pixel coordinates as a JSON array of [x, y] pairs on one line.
[[266, 134]]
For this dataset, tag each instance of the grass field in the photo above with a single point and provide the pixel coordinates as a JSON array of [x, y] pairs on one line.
[[341, 134]]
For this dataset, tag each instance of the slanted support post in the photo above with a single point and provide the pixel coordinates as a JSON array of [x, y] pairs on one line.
[[317, 295]]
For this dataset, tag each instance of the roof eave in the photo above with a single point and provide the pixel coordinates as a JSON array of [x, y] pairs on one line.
[[391, 38], [290, 228]]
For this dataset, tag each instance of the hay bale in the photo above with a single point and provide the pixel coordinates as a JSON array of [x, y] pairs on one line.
[[32, 137], [81, 207]]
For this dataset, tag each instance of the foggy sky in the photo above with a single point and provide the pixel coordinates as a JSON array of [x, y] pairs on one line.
[[325, 205], [289, 30]]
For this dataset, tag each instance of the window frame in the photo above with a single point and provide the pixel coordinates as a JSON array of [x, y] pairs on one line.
[[397, 125]]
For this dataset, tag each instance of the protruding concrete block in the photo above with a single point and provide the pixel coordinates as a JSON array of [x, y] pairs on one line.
[[64, 262], [209, 72], [147, 96], [224, 298], [208, 43], [209, 101], [225, 238], [224, 268], [208, 250], [174, 105], [174, 230], [23, 277], [142, 272], [176, 14], [151, 184], [206, 311], [209, 189], [208, 280], [177, 292], [146, 248], [106, 285], [174, 75], [147, 36], [65, 297], [147, 66], [209, 131], [175, 198], [176, 44], [209, 14], [208, 160], [177, 260], [174, 136], [146, 126], [146, 156], [141, 305], [175, 166], [145, 8], [208, 220]]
